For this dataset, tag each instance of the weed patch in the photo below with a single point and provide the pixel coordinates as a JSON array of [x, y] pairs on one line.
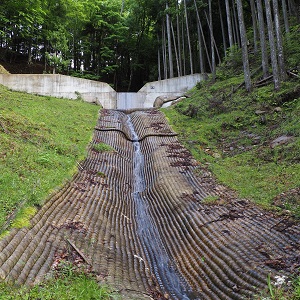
[[102, 147], [67, 283]]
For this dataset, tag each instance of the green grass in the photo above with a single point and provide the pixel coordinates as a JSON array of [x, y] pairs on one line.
[[66, 284], [280, 291], [102, 147], [223, 131], [42, 139]]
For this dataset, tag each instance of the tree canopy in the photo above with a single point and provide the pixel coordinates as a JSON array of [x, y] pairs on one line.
[[127, 43]]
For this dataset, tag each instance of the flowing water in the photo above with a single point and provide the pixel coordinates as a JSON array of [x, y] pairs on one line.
[[160, 261]]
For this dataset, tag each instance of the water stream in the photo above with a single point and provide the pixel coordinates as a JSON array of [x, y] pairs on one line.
[[160, 261]]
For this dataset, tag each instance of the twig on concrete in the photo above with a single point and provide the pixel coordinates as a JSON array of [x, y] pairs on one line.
[[79, 252]]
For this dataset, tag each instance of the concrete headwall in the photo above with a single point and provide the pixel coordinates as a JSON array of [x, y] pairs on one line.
[[167, 88], [62, 86]]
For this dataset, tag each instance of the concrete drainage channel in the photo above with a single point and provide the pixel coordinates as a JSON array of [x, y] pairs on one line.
[[136, 215]]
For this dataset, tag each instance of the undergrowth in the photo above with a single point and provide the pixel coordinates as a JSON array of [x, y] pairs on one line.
[[234, 133], [279, 290], [67, 283], [42, 139], [102, 147]]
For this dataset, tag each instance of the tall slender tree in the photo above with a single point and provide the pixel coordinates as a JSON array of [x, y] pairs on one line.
[[285, 16], [170, 55], [281, 64], [254, 24], [188, 37], [262, 38], [228, 15], [273, 51], [212, 46], [222, 28], [243, 36]]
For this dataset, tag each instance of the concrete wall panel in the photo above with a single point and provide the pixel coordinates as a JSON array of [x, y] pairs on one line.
[[169, 88], [99, 92], [62, 87]]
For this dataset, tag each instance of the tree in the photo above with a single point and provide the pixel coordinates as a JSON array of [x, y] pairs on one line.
[[272, 45], [281, 63], [170, 55], [188, 37], [254, 24], [244, 45], [212, 48], [228, 15], [262, 38]]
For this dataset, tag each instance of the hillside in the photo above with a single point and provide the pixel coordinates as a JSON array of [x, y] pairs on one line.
[[250, 141], [42, 138]]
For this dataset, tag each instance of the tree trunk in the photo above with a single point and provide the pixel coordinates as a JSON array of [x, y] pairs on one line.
[[222, 28], [236, 26], [281, 63], [293, 10], [176, 52], [254, 22], [285, 16], [183, 49], [272, 45], [164, 51], [214, 41], [158, 61], [228, 15], [188, 38], [29, 61], [244, 45], [262, 38], [170, 55], [203, 38], [235, 42], [200, 42], [178, 41], [213, 59], [122, 7]]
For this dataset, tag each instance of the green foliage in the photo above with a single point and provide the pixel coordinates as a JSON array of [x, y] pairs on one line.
[[85, 75], [67, 284], [281, 290], [292, 53], [102, 147], [57, 62], [232, 63], [223, 130], [42, 139]]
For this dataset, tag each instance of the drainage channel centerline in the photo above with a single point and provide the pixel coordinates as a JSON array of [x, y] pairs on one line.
[[161, 263]]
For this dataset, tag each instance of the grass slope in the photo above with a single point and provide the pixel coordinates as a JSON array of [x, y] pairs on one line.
[[42, 139], [233, 134]]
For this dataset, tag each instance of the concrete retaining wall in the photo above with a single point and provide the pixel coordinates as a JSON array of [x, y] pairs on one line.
[[168, 88], [129, 101], [62, 86]]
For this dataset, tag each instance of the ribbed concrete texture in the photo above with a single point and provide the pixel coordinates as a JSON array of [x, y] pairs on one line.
[[137, 216]]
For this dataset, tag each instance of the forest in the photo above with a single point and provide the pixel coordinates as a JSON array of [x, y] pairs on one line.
[[127, 43]]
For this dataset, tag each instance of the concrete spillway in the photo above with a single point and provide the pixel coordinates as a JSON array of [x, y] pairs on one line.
[[138, 216]]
